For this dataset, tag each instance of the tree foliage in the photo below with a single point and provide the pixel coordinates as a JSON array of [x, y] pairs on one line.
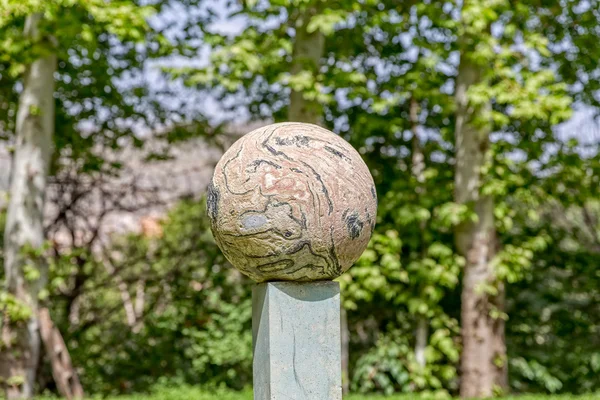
[[379, 58], [386, 82]]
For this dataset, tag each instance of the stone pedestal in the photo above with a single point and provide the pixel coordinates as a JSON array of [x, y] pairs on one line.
[[296, 336], [295, 205]]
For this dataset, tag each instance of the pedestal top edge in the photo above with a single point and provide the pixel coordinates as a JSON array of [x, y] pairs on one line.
[[298, 284]]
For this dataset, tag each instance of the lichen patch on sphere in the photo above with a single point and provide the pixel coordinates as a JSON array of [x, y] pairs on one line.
[[292, 202]]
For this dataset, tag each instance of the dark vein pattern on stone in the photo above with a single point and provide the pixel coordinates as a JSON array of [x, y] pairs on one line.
[[292, 201]]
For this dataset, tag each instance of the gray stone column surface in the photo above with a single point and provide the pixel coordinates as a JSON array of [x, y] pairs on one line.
[[296, 336]]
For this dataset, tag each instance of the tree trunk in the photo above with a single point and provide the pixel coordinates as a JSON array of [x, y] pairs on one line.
[[418, 171], [24, 234], [345, 335], [499, 341], [476, 241], [307, 53], [422, 334], [65, 376], [128, 305]]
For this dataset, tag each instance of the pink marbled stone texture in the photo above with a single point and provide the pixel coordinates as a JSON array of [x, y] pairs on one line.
[[292, 202]]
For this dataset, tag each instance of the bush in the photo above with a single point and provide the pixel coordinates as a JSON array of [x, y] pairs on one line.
[[195, 326]]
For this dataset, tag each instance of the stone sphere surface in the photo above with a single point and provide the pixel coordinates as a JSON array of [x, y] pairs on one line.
[[292, 202]]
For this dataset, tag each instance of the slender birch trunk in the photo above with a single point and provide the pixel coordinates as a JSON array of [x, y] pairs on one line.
[[65, 376], [26, 273], [422, 336], [418, 171], [345, 335], [482, 335], [307, 53], [500, 369]]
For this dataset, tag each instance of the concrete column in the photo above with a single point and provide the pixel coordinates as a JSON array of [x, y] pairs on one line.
[[296, 336]]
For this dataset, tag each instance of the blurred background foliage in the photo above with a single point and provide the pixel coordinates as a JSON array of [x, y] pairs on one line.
[[198, 324], [166, 308]]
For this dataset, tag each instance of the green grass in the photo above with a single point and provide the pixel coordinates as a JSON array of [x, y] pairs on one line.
[[203, 394]]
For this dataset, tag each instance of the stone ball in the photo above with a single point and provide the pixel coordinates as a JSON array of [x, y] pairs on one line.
[[292, 202]]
